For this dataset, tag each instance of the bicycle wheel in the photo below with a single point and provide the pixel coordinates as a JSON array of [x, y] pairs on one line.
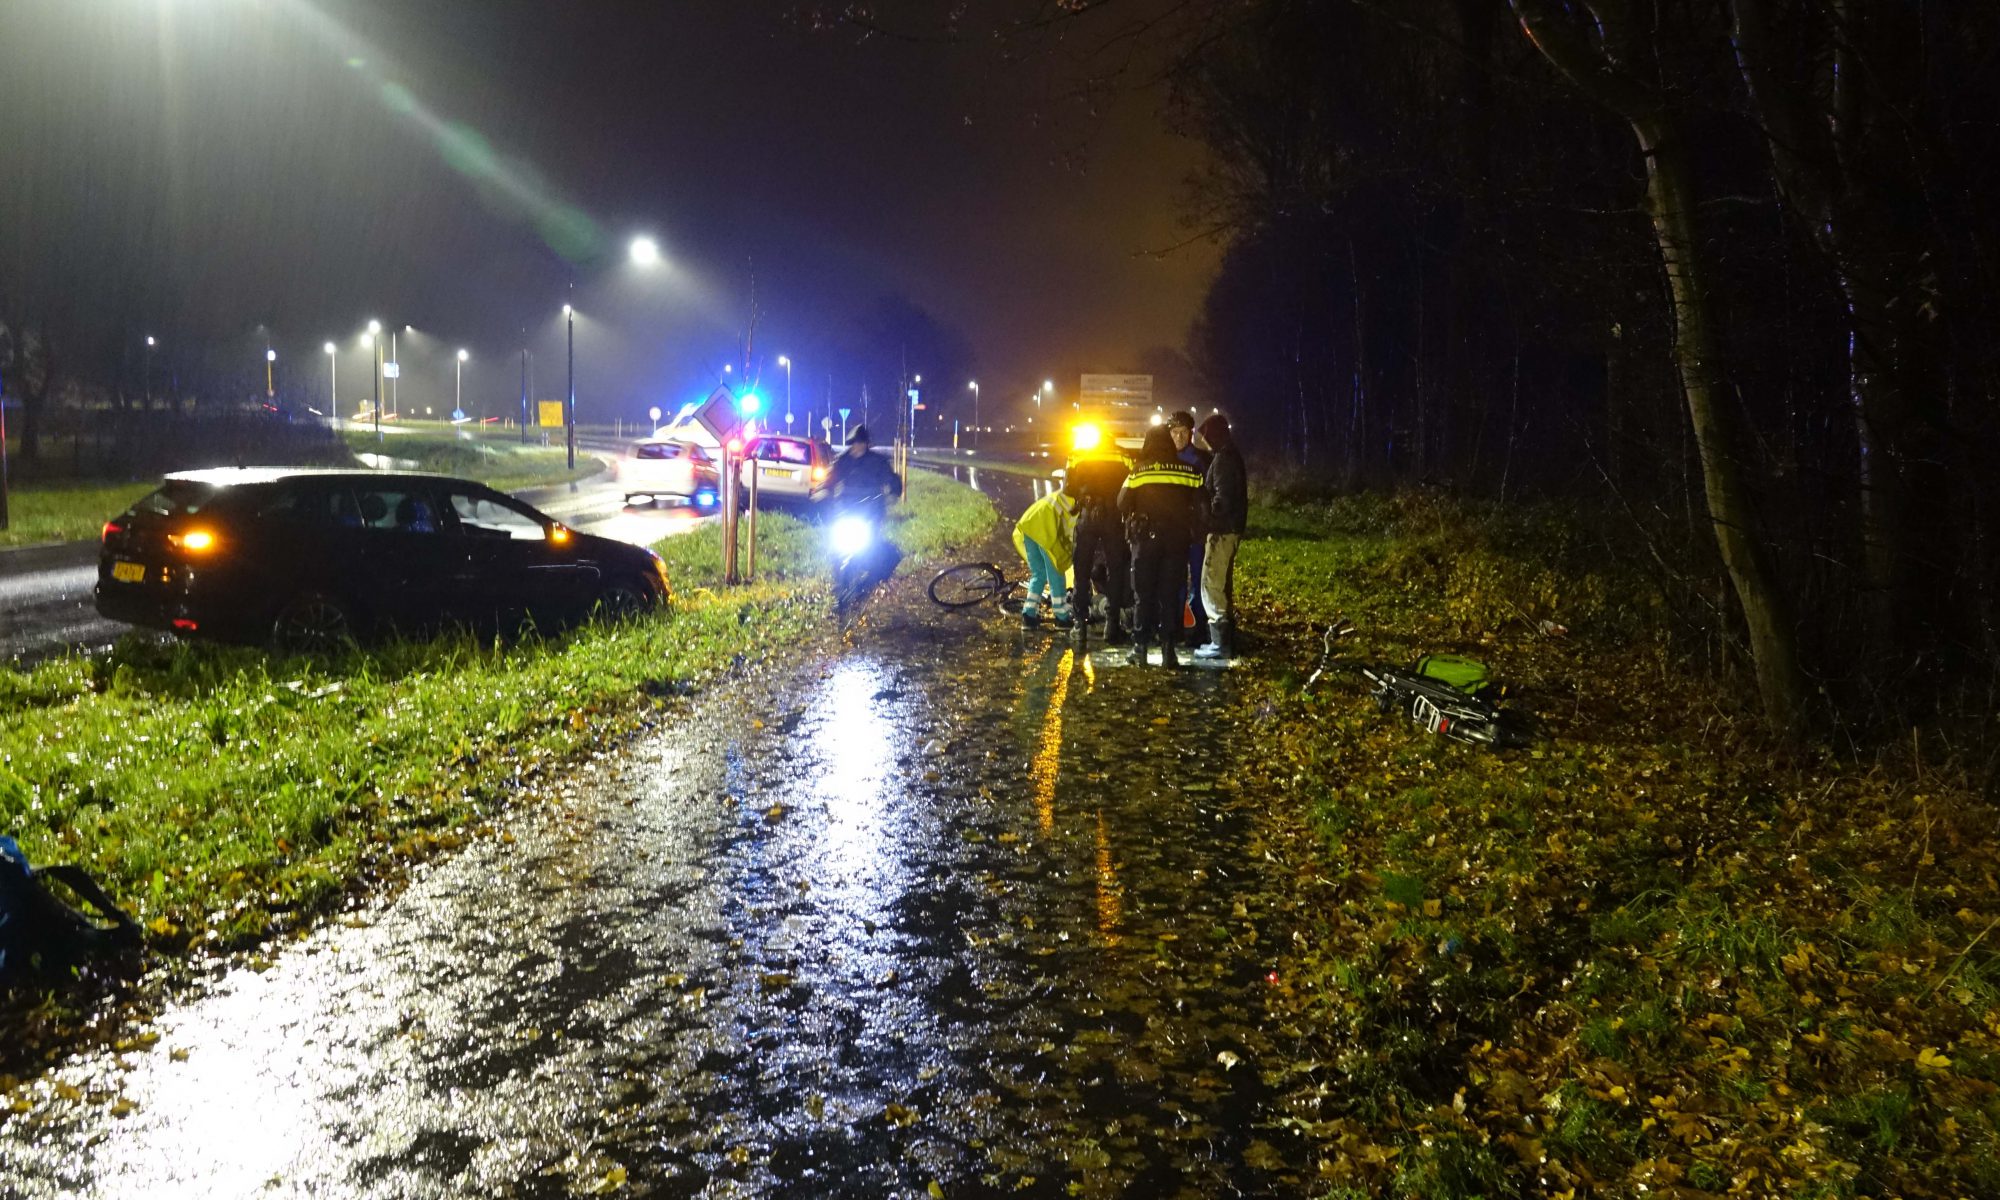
[[967, 584]]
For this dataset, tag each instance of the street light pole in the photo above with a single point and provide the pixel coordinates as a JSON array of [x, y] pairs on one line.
[[333, 380], [374, 340], [569, 405], [458, 391], [974, 385], [786, 363], [524, 386], [151, 341], [270, 360]]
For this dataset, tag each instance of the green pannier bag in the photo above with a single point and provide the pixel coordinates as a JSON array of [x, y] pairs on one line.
[[1457, 672]]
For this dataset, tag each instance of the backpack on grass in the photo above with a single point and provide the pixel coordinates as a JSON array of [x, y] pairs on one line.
[[39, 929], [1458, 673]]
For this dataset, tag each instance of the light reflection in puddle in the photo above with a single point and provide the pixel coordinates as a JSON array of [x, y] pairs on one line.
[[1047, 762], [857, 749], [1110, 899]]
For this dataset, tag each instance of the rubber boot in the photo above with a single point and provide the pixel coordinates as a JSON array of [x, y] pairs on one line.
[[1114, 629], [1061, 617], [1167, 656]]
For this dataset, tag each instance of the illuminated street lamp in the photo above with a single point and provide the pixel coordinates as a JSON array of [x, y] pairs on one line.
[[974, 385], [332, 379], [645, 252], [151, 342], [458, 394], [270, 359]]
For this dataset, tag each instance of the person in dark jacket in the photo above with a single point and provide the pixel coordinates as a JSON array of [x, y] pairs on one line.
[[1093, 475], [862, 483], [1161, 504], [1181, 426], [858, 476], [1226, 492]]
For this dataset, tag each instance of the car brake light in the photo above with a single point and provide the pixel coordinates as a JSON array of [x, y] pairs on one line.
[[194, 541], [111, 527], [184, 625]]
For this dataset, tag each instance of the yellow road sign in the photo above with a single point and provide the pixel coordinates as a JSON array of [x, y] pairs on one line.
[[551, 411]]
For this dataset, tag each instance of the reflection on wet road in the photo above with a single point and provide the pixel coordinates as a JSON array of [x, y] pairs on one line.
[[958, 905]]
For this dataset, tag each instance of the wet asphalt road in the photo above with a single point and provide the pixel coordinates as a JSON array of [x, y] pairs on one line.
[[953, 904]]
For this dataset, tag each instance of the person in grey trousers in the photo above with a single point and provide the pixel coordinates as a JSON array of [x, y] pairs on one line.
[[1226, 491]]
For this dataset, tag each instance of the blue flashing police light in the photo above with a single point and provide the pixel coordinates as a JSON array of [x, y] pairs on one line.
[[750, 404]]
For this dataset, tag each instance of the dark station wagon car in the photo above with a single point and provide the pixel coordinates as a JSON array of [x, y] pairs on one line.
[[306, 559]]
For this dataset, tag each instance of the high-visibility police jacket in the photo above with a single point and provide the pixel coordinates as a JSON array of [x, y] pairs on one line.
[[1051, 521], [1162, 500]]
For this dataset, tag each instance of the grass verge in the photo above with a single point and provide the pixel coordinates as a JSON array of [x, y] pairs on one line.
[[65, 512], [224, 793], [1651, 954]]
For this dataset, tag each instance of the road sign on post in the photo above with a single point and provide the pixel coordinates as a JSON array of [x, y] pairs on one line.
[[718, 414], [551, 413]]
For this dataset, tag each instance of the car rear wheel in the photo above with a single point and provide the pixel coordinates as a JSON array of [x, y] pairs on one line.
[[314, 623]]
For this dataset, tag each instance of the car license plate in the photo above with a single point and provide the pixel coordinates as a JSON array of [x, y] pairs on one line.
[[128, 572], [778, 474]]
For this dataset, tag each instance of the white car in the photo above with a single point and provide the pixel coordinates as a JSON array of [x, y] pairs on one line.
[[787, 467], [669, 467]]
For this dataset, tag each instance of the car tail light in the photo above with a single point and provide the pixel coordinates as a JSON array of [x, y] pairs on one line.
[[193, 541], [111, 527], [819, 474], [184, 625]]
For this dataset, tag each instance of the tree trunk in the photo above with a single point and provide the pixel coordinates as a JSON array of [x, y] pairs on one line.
[[1670, 201]]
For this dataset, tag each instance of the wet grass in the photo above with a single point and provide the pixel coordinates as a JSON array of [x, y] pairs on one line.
[[1654, 950], [64, 511], [224, 793]]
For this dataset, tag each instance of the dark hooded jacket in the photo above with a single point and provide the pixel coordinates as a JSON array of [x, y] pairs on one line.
[[1225, 485]]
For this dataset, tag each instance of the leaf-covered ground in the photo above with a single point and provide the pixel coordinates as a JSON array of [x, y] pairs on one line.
[[1654, 954]]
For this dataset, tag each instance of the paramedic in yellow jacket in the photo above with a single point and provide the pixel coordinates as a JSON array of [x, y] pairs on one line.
[[1046, 537]]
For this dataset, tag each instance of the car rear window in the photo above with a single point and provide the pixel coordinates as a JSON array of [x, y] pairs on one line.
[[781, 450], [179, 498], [657, 450]]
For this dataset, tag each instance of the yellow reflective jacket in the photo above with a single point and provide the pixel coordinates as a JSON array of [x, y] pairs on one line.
[[1051, 521]]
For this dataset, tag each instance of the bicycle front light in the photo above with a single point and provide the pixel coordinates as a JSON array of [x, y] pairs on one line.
[[851, 535]]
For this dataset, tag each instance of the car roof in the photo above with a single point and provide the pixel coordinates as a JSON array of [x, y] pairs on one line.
[[239, 476]]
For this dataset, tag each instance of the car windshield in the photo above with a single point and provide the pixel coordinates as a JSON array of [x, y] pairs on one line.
[[177, 498]]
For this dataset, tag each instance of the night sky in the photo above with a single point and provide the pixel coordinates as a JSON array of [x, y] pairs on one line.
[[200, 168]]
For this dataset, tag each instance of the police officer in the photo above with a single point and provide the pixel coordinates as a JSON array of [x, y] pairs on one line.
[[1161, 504], [1093, 475]]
